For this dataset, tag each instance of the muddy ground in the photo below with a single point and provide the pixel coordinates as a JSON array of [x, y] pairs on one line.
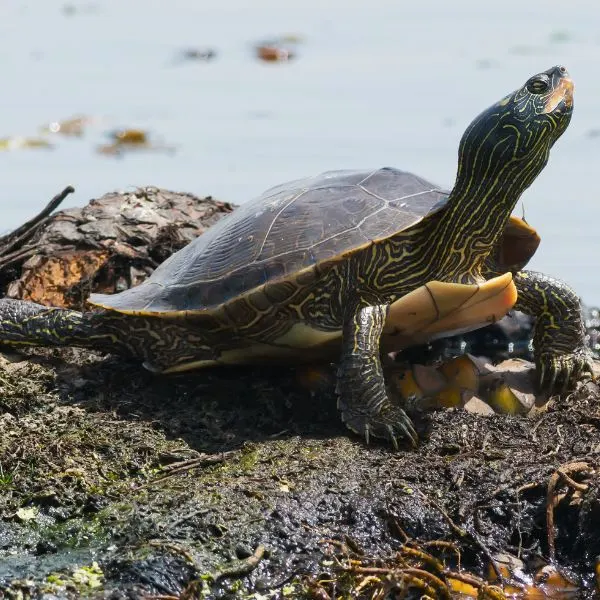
[[240, 483]]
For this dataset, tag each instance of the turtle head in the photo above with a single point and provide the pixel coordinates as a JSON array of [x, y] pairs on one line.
[[509, 143]]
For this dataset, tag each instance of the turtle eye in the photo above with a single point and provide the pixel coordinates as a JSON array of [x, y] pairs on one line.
[[538, 84]]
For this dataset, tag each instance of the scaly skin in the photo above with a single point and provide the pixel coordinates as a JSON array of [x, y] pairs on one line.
[[560, 350], [29, 324], [24, 323], [363, 399]]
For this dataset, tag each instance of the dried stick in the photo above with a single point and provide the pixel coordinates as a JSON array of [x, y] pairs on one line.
[[14, 240]]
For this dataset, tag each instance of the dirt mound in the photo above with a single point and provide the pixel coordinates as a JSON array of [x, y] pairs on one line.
[[235, 483]]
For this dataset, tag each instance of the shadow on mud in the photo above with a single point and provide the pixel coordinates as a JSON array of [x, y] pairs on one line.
[[161, 479], [233, 483]]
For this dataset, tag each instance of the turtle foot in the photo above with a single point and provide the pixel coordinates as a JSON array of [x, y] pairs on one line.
[[559, 373], [390, 423]]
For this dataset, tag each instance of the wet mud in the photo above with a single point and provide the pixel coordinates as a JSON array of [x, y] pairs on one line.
[[242, 483]]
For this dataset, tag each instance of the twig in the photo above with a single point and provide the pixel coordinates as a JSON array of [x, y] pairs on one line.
[[405, 537], [18, 236], [477, 539], [368, 580], [235, 568], [419, 577], [580, 487], [463, 532], [176, 548], [491, 590], [552, 499], [21, 254], [238, 568], [439, 585], [455, 528], [526, 487], [445, 546], [425, 558], [188, 465]]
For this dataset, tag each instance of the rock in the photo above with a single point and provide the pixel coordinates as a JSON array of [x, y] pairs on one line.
[[478, 406]]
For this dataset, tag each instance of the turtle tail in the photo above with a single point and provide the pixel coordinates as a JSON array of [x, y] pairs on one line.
[[24, 323]]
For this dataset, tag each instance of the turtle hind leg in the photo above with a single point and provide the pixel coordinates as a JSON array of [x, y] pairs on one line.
[[561, 353], [25, 323], [362, 395]]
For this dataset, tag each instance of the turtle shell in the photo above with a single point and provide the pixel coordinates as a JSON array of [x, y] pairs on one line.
[[289, 228]]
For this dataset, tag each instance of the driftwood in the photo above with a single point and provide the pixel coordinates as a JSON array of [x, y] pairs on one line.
[[14, 247], [110, 244]]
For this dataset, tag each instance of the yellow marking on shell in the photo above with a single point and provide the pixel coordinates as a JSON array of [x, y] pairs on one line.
[[463, 381], [430, 311], [323, 266]]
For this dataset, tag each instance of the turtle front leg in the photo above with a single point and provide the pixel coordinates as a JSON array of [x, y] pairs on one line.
[[560, 350], [362, 396]]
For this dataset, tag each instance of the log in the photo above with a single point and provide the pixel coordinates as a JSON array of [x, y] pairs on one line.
[[111, 244]]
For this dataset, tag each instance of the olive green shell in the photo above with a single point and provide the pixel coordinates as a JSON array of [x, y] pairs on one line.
[[289, 228]]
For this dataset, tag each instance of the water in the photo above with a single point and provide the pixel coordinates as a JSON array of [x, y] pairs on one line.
[[380, 83]]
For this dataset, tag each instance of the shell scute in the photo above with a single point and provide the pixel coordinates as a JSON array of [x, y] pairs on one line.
[[286, 230]]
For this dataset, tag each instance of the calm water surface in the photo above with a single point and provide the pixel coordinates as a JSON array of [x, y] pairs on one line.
[[378, 83]]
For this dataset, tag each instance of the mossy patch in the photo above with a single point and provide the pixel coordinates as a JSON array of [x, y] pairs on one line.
[[162, 480]]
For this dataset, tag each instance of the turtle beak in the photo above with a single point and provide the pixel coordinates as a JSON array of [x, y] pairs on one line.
[[563, 93]]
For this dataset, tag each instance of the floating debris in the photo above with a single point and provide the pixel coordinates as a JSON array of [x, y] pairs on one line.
[[69, 127], [291, 38], [70, 10], [560, 37], [485, 63], [119, 150], [524, 50], [136, 137], [125, 140], [274, 53], [196, 55], [280, 49], [19, 143]]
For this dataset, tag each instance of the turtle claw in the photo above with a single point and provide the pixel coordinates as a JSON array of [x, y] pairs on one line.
[[392, 437], [390, 423], [367, 435], [560, 372]]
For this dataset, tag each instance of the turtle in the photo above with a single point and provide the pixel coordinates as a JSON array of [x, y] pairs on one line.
[[348, 265]]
